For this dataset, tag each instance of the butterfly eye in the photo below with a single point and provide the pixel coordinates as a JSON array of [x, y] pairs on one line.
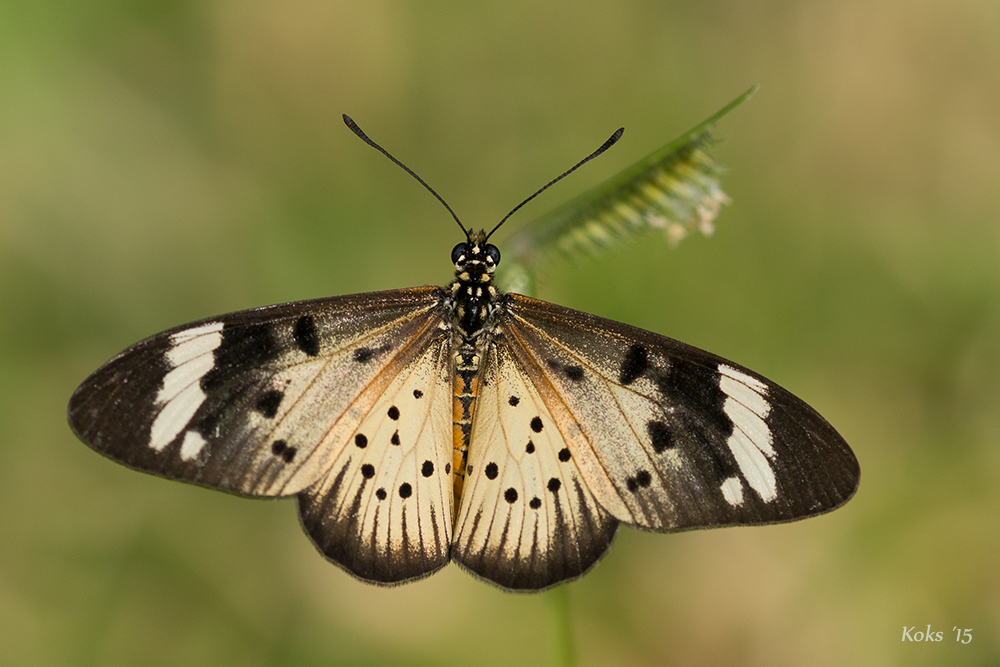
[[458, 252], [492, 254]]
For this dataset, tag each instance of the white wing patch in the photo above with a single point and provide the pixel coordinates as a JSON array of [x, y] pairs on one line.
[[750, 441], [192, 445], [732, 491], [180, 394]]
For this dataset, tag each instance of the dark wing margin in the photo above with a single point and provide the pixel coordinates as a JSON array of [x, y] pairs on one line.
[[679, 438], [241, 402]]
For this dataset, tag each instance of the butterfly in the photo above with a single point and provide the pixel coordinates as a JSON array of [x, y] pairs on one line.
[[422, 426]]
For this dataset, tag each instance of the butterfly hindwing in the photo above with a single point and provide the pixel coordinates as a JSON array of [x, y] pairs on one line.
[[251, 402], [527, 519], [383, 511], [681, 438]]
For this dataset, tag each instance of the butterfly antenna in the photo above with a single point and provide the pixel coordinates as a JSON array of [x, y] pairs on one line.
[[364, 137], [612, 140]]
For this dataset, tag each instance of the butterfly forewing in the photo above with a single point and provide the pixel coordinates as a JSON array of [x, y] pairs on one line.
[[683, 438], [242, 401], [383, 511], [528, 518]]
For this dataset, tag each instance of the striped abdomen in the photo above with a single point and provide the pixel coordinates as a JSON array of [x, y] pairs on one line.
[[464, 390]]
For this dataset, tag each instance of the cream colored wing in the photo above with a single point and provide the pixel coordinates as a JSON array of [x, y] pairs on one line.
[[667, 436], [384, 509], [528, 518]]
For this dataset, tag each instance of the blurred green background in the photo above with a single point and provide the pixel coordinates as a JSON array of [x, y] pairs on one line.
[[162, 162]]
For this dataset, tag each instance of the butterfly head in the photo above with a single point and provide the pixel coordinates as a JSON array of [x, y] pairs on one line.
[[475, 260]]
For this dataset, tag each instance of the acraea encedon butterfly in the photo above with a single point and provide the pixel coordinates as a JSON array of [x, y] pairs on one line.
[[424, 425]]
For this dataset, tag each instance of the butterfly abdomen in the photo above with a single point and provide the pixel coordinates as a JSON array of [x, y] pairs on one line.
[[465, 388]]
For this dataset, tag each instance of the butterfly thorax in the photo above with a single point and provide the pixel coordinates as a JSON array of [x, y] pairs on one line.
[[472, 290], [473, 298]]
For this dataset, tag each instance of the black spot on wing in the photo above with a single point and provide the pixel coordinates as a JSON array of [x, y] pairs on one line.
[[492, 470], [564, 455], [417, 393], [574, 373], [244, 348], [536, 424], [535, 503], [641, 480], [660, 436], [513, 401], [365, 354], [281, 448], [305, 335], [634, 364], [278, 447], [427, 469], [393, 413], [268, 403], [405, 491], [361, 440], [395, 438], [510, 495], [380, 494]]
